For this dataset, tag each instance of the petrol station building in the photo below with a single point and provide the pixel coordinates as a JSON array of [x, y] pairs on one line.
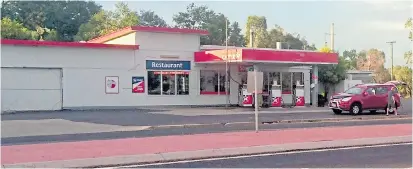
[[150, 66]]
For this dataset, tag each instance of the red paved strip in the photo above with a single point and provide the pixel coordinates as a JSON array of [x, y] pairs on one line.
[[150, 145]]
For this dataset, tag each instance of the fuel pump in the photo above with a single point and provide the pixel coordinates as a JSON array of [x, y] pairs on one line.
[[246, 98], [276, 100], [299, 94]]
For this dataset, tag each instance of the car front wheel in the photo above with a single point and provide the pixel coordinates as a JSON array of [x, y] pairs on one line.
[[355, 109]]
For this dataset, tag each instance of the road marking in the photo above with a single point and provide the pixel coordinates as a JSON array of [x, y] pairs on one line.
[[258, 155]]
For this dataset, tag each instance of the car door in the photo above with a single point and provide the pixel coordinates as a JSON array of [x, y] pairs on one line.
[[381, 97], [368, 100]]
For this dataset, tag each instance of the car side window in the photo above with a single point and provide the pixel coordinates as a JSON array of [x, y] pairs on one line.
[[381, 90], [371, 91]]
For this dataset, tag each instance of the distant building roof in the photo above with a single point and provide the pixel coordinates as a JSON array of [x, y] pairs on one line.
[[359, 72]]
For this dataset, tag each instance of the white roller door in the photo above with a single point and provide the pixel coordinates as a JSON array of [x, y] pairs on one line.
[[31, 89]]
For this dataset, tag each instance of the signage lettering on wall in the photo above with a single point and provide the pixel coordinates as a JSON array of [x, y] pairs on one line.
[[111, 84], [167, 65], [138, 84], [245, 68]]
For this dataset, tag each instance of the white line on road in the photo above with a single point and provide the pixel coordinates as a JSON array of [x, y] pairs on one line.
[[259, 155]]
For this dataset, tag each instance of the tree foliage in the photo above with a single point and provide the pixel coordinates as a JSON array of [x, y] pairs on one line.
[[105, 22], [150, 18], [235, 36], [12, 29], [373, 60], [351, 57], [60, 20], [258, 24], [404, 74], [201, 17], [330, 75], [409, 25], [408, 55]]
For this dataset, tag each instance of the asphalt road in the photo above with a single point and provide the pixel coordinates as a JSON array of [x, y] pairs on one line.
[[396, 156], [144, 117], [183, 131]]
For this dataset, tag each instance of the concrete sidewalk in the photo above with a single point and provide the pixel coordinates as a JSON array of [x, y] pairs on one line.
[[170, 148]]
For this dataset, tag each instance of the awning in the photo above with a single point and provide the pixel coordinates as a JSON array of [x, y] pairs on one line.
[[250, 55]]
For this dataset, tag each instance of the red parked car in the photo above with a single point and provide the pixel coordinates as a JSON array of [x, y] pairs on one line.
[[371, 97]]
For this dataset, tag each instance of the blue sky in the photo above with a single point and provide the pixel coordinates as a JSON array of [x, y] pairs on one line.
[[358, 24]]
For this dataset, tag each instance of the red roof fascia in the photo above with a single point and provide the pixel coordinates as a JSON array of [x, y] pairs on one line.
[[203, 56], [275, 56], [289, 56], [131, 29], [65, 44], [170, 30]]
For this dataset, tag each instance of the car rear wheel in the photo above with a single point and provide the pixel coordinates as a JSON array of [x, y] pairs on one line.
[[336, 111], [355, 109]]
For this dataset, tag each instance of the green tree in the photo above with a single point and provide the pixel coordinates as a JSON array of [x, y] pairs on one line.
[[63, 18], [288, 40], [201, 17], [195, 17], [150, 18], [404, 74], [275, 35], [408, 55], [12, 29], [331, 75], [350, 57], [259, 26], [235, 36], [105, 22], [409, 25]]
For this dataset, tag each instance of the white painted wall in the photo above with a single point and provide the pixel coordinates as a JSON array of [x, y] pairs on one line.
[[167, 42], [30, 89], [129, 39], [84, 72]]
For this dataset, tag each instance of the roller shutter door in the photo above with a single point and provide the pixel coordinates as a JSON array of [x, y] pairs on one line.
[[28, 89]]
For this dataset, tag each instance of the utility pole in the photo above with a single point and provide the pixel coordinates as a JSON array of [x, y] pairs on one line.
[[226, 64], [391, 51], [331, 37]]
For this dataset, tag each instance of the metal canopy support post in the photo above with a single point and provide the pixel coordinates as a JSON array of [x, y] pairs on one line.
[[256, 96], [315, 89]]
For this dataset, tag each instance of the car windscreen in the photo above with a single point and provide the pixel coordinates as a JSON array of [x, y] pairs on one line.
[[354, 90]]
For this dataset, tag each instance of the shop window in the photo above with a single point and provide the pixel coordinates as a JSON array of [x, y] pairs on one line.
[[274, 77], [183, 83], [298, 76], [154, 83], [165, 81], [212, 82], [168, 83]]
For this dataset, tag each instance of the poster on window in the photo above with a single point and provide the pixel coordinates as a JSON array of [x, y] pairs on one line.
[[112, 84], [138, 84]]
